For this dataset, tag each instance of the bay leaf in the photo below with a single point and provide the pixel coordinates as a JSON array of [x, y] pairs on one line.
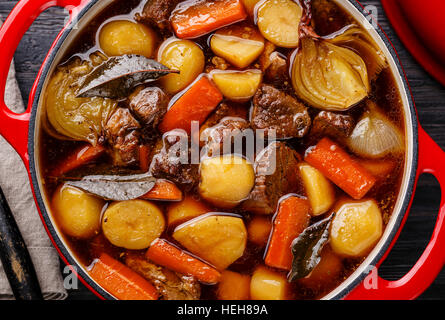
[[118, 76], [306, 249], [116, 188]]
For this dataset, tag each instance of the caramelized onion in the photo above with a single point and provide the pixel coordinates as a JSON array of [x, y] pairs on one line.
[[375, 136]]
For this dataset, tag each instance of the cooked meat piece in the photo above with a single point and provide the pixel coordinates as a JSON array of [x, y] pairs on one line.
[[332, 124], [225, 109], [276, 170], [218, 139], [172, 160], [171, 285], [274, 66], [123, 134], [149, 106], [275, 110], [157, 13]]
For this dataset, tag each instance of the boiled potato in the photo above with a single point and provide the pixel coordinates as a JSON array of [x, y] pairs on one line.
[[279, 20], [226, 180], [319, 190], [237, 85], [185, 56], [239, 44], [219, 240], [121, 37], [250, 6], [356, 227], [259, 230], [77, 212], [133, 224], [268, 285], [187, 209], [233, 286]]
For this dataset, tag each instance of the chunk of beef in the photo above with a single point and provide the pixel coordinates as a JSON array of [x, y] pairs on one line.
[[150, 106], [122, 132], [171, 285], [275, 110], [172, 160], [276, 170], [332, 124], [219, 139], [274, 66], [157, 13], [225, 109]]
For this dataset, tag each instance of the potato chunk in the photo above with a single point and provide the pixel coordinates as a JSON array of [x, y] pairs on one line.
[[268, 285], [320, 191], [187, 209], [357, 226], [185, 56], [77, 212], [234, 286], [219, 240], [121, 37], [226, 180], [279, 20], [237, 85], [250, 6], [259, 230], [239, 44], [133, 224]]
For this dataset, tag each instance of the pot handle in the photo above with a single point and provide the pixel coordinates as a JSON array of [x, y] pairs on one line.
[[431, 262], [14, 127]]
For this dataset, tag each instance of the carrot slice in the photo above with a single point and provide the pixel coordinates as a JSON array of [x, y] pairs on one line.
[[379, 168], [144, 153], [121, 281], [80, 157], [202, 17], [340, 168], [292, 218], [165, 254], [164, 190], [194, 105]]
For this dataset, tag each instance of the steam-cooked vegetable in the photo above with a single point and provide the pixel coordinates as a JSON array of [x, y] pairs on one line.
[[319, 190], [250, 6], [85, 154], [226, 180], [237, 85], [77, 212], [357, 226], [80, 119], [239, 44], [121, 37], [182, 55], [329, 77], [133, 224], [234, 286], [259, 230], [187, 209], [268, 285], [218, 239], [375, 136], [278, 21], [164, 190]]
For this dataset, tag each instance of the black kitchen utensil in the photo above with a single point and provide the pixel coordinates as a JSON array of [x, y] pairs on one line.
[[15, 257]]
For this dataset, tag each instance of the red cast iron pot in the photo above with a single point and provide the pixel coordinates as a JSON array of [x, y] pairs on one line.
[[423, 156]]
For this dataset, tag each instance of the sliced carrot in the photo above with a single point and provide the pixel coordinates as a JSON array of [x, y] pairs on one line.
[[292, 218], [80, 157], [164, 190], [144, 154], [379, 168], [167, 255], [121, 281], [202, 17], [340, 168], [194, 105]]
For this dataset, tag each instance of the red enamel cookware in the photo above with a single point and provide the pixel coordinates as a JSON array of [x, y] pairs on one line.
[[423, 154]]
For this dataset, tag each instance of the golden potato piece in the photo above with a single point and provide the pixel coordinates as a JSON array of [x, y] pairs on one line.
[[250, 6], [233, 286], [268, 285], [226, 180], [319, 190], [219, 240], [259, 230], [279, 20], [77, 212], [237, 85], [185, 56], [133, 224], [238, 44], [356, 227], [187, 209], [121, 37]]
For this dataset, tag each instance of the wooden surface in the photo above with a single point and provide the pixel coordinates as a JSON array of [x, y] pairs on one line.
[[429, 96]]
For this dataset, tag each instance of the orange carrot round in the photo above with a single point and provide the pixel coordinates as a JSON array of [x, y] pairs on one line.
[[79, 158], [164, 190]]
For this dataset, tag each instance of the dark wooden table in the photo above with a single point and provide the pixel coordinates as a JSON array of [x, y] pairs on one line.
[[430, 100]]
